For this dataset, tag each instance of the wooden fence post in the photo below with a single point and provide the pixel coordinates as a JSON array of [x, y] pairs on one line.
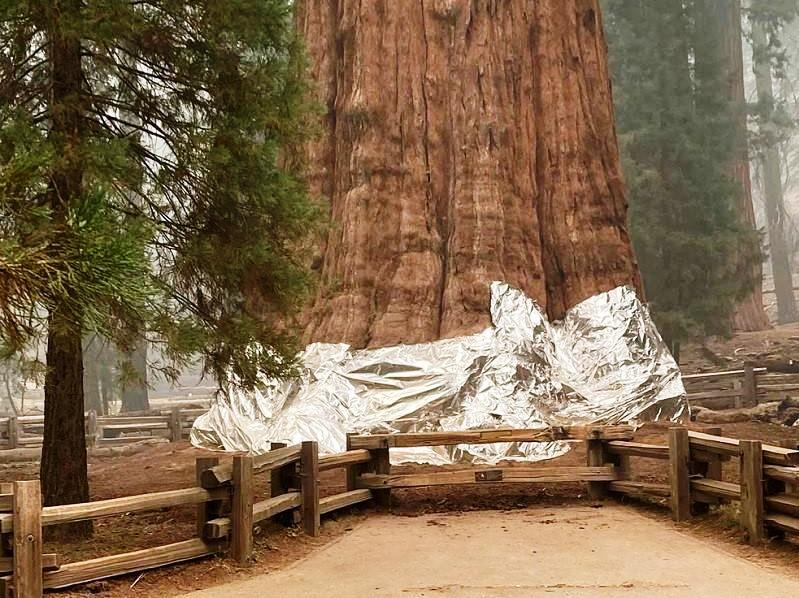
[[739, 397], [596, 456], [281, 479], [309, 481], [750, 385], [752, 490], [351, 471], [27, 539], [205, 510], [277, 478], [381, 463], [241, 508], [91, 428], [175, 428], [679, 480], [13, 432], [706, 465], [7, 543]]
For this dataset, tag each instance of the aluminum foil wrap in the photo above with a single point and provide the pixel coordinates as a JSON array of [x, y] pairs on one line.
[[605, 362]]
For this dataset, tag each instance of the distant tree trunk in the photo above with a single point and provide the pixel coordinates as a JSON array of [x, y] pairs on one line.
[[464, 142], [135, 395], [775, 208], [750, 315], [91, 375], [64, 473], [106, 383]]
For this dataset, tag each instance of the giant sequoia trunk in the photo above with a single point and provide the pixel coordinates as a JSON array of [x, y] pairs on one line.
[[465, 141], [750, 314]]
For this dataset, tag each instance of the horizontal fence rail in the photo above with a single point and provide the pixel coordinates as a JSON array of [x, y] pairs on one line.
[[106, 430]]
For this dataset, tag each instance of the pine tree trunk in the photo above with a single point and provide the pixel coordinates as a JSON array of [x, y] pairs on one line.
[[135, 395], [64, 466], [465, 142], [64, 473], [775, 209], [750, 315]]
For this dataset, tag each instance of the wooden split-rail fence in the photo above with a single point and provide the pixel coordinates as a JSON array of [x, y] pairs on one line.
[[105, 430], [767, 488], [735, 389]]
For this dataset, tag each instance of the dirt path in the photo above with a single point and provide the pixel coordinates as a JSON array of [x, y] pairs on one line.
[[572, 551]]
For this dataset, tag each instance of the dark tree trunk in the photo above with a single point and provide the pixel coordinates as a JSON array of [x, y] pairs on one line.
[[63, 467], [465, 142], [775, 208], [135, 395], [750, 315], [64, 474]]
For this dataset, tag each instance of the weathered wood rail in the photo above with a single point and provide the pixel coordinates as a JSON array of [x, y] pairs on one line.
[[106, 430], [739, 388], [228, 506]]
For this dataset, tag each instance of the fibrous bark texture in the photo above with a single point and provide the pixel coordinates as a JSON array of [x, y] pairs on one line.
[[750, 315], [464, 142]]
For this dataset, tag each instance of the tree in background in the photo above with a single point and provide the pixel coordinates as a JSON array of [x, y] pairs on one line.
[[677, 131], [18, 370], [135, 393], [98, 361], [767, 19], [148, 182], [724, 21]]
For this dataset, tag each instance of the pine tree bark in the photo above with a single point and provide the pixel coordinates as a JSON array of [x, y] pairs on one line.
[[64, 473], [775, 208], [64, 462], [750, 315], [464, 142]]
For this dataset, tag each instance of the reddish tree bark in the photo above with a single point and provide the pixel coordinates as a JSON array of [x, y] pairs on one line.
[[750, 315], [464, 142]]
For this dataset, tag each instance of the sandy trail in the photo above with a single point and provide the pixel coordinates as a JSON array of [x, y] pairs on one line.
[[565, 551]]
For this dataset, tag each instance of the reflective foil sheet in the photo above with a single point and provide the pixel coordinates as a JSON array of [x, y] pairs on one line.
[[604, 363]]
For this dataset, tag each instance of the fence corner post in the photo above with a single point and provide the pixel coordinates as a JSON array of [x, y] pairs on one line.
[[679, 472], [309, 482], [241, 508], [751, 463], [27, 510]]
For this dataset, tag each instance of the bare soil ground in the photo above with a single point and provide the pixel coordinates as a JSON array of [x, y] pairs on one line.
[[171, 466], [572, 550]]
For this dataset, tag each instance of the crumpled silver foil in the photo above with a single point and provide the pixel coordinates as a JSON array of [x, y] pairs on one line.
[[604, 363]]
